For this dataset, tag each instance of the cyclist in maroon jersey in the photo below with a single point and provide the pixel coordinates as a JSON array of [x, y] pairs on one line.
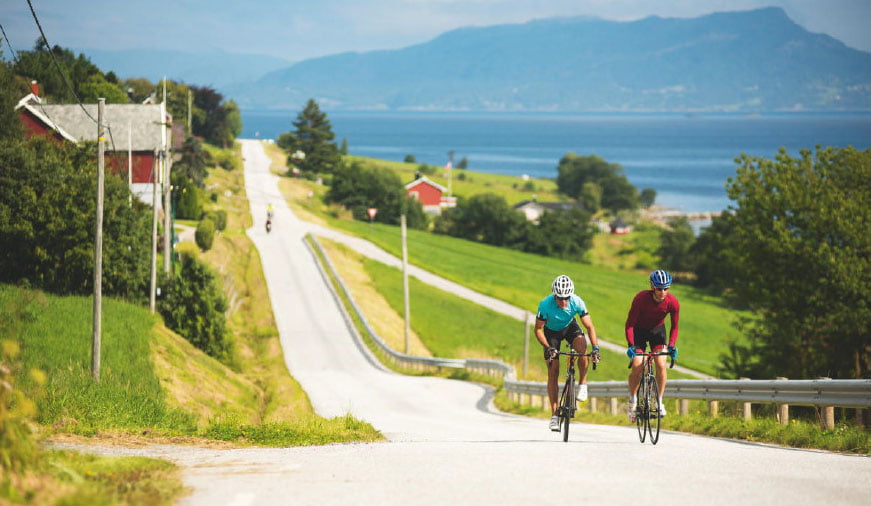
[[645, 325]]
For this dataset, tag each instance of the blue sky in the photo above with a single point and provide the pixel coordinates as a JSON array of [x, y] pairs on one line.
[[300, 29]]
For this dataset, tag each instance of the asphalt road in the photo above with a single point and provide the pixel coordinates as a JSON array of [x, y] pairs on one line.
[[447, 445]]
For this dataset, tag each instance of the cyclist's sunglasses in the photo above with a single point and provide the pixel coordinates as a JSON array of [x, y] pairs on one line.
[[563, 298], [661, 289]]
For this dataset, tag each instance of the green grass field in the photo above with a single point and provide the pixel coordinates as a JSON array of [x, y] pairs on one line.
[[452, 327], [523, 279]]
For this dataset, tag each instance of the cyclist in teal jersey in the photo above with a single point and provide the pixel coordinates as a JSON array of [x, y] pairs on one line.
[[555, 321]]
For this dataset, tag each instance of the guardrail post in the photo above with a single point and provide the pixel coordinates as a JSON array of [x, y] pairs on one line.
[[683, 407], [612, 405], [828, 413], [545, 403], [747, 407], [594, 404], [782, 409], [713, 408]]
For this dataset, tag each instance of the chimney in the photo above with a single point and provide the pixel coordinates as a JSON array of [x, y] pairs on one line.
[[34, 88]]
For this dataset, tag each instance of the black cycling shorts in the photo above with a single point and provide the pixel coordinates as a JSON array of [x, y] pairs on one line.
[[555, 337], [654, 337]]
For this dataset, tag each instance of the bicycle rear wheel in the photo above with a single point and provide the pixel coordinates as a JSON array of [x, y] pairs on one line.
[[567, 407], [642, 409], [653, 421]]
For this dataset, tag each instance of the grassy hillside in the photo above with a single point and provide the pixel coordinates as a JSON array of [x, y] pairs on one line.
[[607, 282], [465, 183]]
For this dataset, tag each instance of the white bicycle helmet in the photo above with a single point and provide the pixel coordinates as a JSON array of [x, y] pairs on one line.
[[563, 286]]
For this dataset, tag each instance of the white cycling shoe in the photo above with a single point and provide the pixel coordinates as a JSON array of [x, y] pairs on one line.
[[582, 393]]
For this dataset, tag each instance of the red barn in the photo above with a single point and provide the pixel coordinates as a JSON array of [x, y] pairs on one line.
[[138, 139], [428, 193]]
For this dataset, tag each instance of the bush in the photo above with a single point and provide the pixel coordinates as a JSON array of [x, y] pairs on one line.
[[205, 234], [194, 290], [188, 205], [219, 217]]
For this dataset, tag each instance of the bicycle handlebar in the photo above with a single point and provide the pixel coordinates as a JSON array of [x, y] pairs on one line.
[[646, 354], [573, 354]]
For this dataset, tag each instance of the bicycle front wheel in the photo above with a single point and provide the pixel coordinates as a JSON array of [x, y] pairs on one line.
[[567, 407], [642, 410], [653, 420]]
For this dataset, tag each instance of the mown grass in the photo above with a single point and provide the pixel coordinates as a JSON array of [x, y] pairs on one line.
[[56, 337], [452, 327], [523, 279]]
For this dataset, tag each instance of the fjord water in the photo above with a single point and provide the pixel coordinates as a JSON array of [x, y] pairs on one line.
[[686, 158]]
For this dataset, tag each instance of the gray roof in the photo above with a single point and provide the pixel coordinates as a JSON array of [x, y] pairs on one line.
[[145, 123]]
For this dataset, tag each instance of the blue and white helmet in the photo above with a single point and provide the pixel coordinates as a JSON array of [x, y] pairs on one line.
[[563, 286], [660, 279]]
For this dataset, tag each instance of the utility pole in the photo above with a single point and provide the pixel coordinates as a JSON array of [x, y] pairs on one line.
[[450, 171], [166, 136], [154, 168], [405, 287], [98, 245], [130, 162], [190, 106]]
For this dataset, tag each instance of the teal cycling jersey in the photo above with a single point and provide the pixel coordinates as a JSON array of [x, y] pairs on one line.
[[557, 318]]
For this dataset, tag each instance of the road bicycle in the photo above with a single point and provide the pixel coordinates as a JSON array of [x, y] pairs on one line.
[[568, 403], [647, 411]]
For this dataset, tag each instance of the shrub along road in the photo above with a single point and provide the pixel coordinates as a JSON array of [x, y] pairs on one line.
[[446, 442]]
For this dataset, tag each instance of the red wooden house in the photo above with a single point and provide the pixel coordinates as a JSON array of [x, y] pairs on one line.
[[138, 140], [429, 194]]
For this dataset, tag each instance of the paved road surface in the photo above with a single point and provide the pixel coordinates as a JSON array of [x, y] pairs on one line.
[[448, 446]]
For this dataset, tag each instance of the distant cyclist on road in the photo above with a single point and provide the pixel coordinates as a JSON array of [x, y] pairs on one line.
[[554, 322], [645, 325]]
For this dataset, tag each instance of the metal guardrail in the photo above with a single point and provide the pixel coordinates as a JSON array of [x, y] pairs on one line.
[[822, 392]]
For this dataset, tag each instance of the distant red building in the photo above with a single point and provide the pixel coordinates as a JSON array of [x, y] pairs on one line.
[[428, 193]]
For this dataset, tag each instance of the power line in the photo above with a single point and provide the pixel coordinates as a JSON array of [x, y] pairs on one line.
[[57, 64]]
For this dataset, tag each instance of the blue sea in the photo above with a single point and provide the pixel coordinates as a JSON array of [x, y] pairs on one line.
[[686, 158]]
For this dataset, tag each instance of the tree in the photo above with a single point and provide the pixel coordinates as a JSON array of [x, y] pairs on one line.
[[220, 122], [486, 218], [194, 290], [78, 77], [358, 188], [313, 135], [802, 251], [575, 171], [47, 215], [648, 197], [10, 125], [711, 256], [675, 242], [564, 234], [193, 164]]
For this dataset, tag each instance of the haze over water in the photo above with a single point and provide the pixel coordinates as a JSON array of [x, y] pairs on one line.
[[685, 158]]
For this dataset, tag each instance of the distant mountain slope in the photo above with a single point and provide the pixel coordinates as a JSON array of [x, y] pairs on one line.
[[735, 61], [217, 69]]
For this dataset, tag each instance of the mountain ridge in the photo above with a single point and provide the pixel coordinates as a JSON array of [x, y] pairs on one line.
[[731, 61]]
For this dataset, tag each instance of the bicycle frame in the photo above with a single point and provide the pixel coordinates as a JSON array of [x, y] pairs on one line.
[[567, 403], [647, 417]]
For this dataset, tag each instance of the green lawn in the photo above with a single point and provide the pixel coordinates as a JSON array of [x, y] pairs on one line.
[[523, 279], [452, 327]]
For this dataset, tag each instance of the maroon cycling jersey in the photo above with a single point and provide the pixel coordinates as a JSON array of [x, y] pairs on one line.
[[645, 313]]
